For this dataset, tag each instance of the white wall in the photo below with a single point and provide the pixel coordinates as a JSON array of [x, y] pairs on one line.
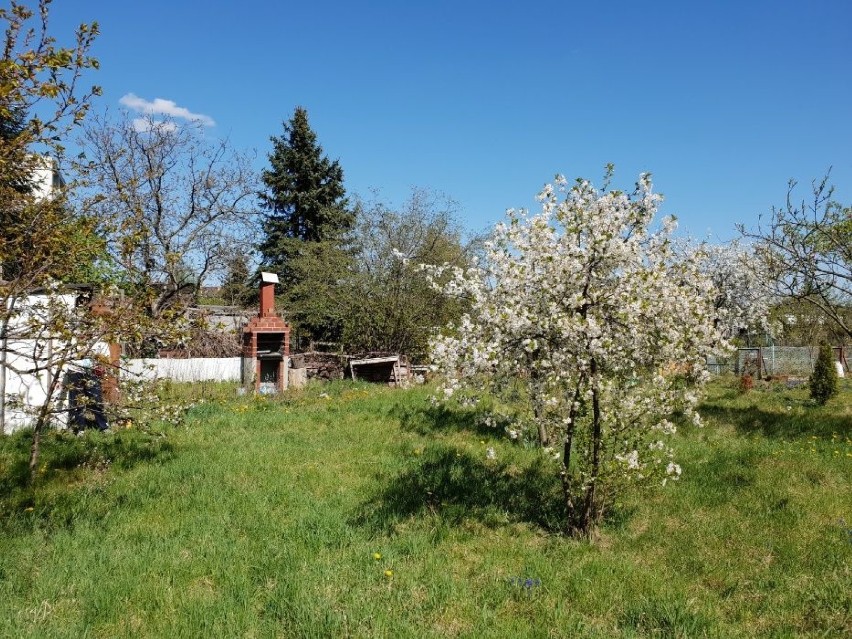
[[31, 389], [197, 369], [25, 392]]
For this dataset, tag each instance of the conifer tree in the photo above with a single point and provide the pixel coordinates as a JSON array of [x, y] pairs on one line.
[[823, 381], [305, 195], [235, 288], [306, 228]]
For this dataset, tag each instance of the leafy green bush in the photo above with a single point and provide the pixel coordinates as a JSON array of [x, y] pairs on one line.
[[823, 380]]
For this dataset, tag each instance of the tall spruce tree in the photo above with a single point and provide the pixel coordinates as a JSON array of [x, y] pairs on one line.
[[306, 228], [305, 196]]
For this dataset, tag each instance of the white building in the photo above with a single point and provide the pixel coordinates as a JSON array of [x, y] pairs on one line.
[[47, 178]]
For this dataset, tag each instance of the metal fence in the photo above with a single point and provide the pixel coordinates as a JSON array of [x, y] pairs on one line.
[[774, 360]]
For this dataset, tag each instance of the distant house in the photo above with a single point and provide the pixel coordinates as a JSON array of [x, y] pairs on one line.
[[47, 178]]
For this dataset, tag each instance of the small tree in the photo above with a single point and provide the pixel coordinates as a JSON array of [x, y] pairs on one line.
[[45, 324], [42, 239], [235, 287], [806, 248], [823, 380], [605, 327]]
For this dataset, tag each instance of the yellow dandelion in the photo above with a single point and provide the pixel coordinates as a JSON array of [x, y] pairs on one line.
[[377, 555], [388, 573]]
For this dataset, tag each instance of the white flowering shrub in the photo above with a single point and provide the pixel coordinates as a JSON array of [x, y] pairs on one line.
[[604, 326], [743, 294]]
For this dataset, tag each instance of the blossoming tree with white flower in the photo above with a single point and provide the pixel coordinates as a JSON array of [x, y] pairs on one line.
[[743, 295], [606, 329]]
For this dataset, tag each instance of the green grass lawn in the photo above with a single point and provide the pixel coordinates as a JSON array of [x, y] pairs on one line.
[[366, 514]]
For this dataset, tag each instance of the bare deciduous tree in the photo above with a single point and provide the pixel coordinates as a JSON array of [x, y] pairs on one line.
[[807, 248], [173, 203]]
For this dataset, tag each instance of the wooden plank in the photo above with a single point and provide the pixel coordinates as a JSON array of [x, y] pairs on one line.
[[374, 360]]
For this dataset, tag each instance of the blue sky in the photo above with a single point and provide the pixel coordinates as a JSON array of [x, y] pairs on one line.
[[722, 101]]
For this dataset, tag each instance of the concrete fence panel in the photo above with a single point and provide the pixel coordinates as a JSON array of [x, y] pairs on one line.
[[196, 369]]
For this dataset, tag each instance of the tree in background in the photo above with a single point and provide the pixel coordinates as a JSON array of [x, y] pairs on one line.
[[235, 287], [172, 204], [803, 324], [13, 124], [823, 380], [807, 249], [743, 294], [306, 227], [391, 305], [598, 322]]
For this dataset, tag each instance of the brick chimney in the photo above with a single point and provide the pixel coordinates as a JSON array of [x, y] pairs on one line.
[[266, 342], [267, 294]]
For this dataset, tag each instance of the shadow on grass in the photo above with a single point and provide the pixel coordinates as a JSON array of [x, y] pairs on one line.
[[455, 486], [666, 618], [64, 458], [425, 420], [727, 475], [754, 420]]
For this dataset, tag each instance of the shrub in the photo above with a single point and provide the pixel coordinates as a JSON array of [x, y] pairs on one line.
[[586, 308], [746, 383], [823, 380]]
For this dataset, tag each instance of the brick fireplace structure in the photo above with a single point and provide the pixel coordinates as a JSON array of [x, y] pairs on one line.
[[266, 344]]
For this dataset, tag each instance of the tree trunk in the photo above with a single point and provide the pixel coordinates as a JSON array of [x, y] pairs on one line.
[[538, 412], [35, 448], [566, 457], [589, 516], [543, 436], [41, 422], [4, 355]]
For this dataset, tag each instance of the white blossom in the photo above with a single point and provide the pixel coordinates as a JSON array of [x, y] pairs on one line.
[[584, 303], [630, 460], [673, 470]]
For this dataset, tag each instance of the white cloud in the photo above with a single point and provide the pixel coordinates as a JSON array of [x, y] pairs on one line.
[[143, 125], [164, 107]]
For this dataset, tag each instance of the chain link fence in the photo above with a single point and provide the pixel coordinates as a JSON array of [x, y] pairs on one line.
[[774, 360]]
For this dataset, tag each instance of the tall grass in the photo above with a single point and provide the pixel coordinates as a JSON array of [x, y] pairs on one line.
[[354, 510]]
